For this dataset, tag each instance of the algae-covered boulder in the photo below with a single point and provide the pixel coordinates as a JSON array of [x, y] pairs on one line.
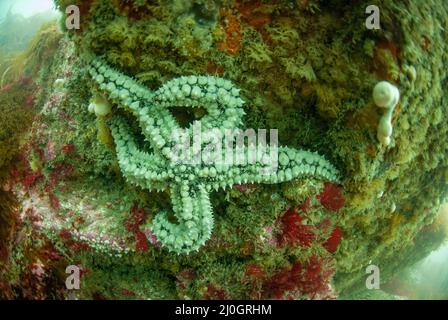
[[100, 187]]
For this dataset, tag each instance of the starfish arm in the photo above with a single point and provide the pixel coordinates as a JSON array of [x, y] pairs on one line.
[[121, 89], [293, 164], [157, 123], [289, 164], [192, 208], [286, 165], [218, 96], [138, 167]]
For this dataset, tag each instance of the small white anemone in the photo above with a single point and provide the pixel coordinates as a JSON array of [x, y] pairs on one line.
[[386, 96], [91, 108], [59, 84], [101, 106]]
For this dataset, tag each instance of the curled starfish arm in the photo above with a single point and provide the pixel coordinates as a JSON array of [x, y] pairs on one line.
[[219, 96], [138, 167], [193, 212], [157, 123]]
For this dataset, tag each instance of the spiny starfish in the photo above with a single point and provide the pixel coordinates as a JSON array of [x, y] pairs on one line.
[[189, 184]]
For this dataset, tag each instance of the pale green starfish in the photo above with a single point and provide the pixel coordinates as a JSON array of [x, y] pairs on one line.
[[189, 184]]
